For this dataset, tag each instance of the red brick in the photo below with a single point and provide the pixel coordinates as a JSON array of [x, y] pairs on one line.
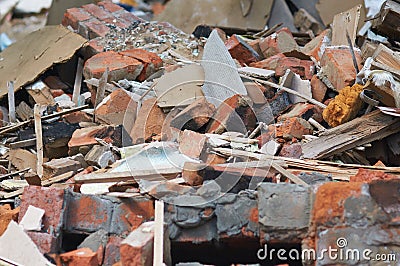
[[304, 68], [366, 175], [94, 47], [130, 214], [6, 216], [120, 66], [82, 256], [137, 248], [112, 255], [291, 150], [77, 117], [280, 42], [191, 173], [318, 89], [126, 17], [51, 200], [95, 28], [337, 65], [191, 143], [270, 63], [88, 213], [255, 44], [46, 243], [194, 116], [241, 51], [295, 127], [305, 111], [97, 11], [315, 47], [329, 201], [149, 122], [151, 62], [234, 114], [73, 16], [110, 6], [115, 107], [86, 137]]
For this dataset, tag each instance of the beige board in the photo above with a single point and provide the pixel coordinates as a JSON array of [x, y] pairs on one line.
[[187, 14], [24, 61]]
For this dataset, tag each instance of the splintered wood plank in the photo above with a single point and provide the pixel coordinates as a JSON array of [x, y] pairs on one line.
[[345, 21], [158, 233], [39, 139], [362, 130]]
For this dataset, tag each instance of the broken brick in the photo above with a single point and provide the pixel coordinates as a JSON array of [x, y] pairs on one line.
[[367, 175], [270, 63], [295, 127], [151, 62], [86, 137], [82, 256], [130, 214], [149, 122], [112, 255], [318, 89], [190, 173], [234, 114], [46, 243], [119, 65], [51, 200], [240, 50], [280, 42], [194, 116], [92, 28], [6, 216], [137, 248], [191, 143], [73, 16], [88, 213], [316, 46], [305, 111], [116, 106], [304, 68], [337, 66], [291, 150]]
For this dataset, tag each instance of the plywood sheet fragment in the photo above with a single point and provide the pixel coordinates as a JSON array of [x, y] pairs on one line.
[[346, 21], [222, 79], [23, 63]]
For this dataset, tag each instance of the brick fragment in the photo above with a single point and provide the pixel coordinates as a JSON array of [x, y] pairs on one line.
[[97, 11], [110, 6], [295, 127], [73, 16], [88, 213], [303, 110], [130, 214], [234, 114], [149, 122], [191, 173], [112, 255], [6, 216], [119, 65], [46, 243], [192, 143], [82, 256], [51, 200], [337, 66], [241, 51], [366, 175], [117, 106], [151, 62], [280, 42], [291, 150], [92, 28], [194, 116], [137, 248], [316, 46], [318, 89]]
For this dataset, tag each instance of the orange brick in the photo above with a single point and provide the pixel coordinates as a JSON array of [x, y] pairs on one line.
[[280, 42], [241, 51]]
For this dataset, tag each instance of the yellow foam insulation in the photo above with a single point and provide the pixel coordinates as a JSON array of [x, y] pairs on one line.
[[344, 107]]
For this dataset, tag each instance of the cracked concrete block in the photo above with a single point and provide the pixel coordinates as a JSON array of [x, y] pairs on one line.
[[284, 211]]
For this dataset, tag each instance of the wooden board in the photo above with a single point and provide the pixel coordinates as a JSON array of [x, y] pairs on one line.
[[346, 21], [362, 130]]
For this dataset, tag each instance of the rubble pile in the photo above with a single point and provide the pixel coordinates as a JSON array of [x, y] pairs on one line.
[[133, 142]]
